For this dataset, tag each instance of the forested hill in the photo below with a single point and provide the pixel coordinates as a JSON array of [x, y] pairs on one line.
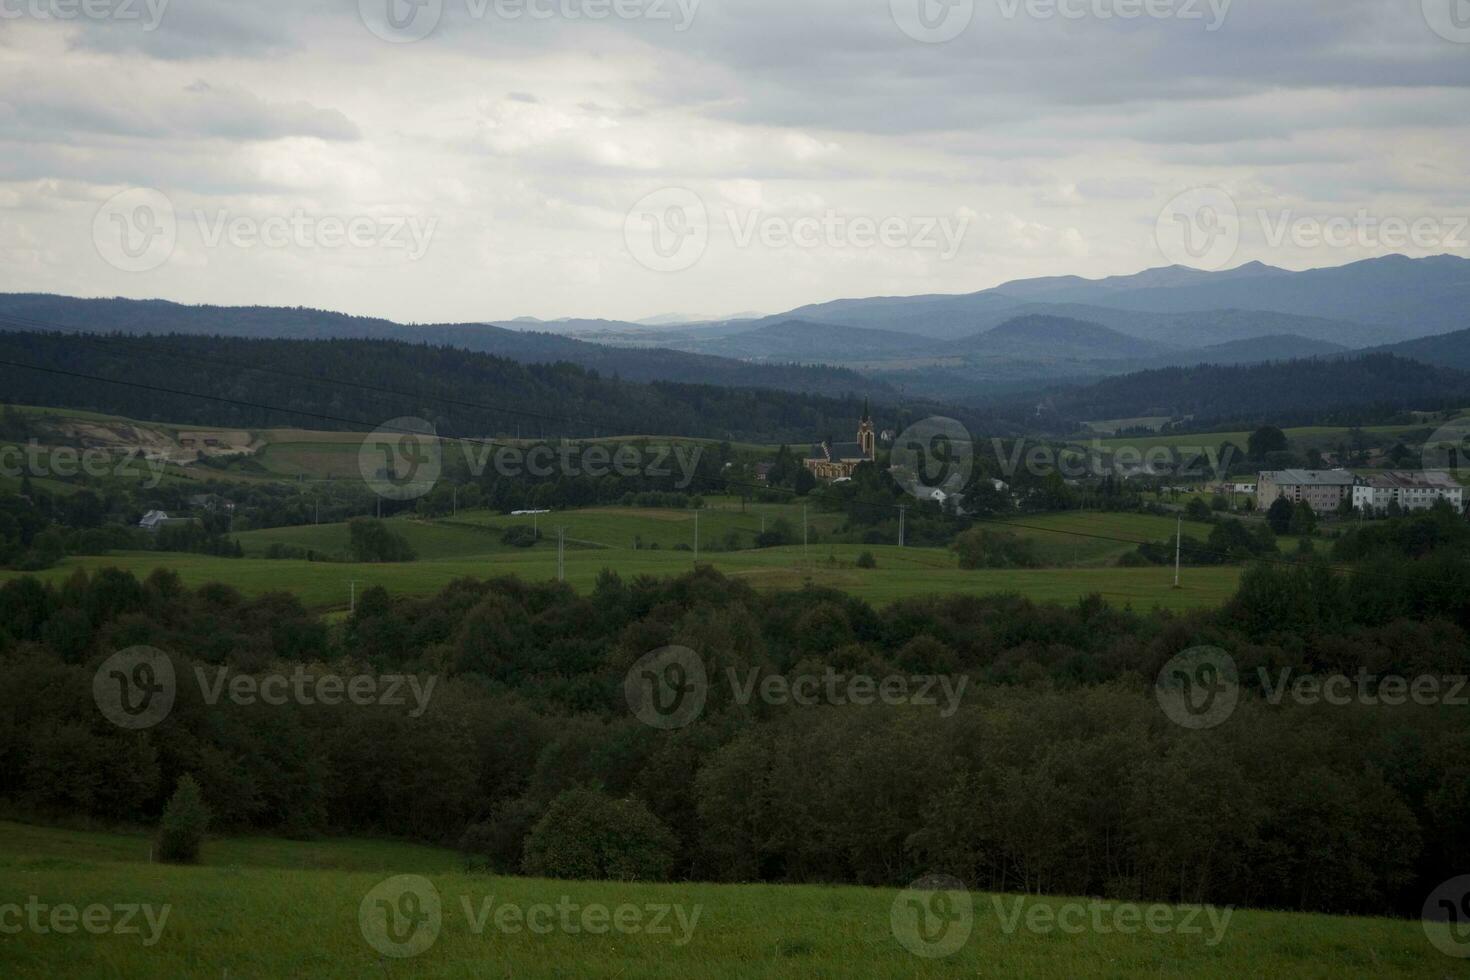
[[496, 396], [24, 311], [1298, 389]]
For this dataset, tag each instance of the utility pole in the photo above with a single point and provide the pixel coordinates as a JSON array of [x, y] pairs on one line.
[[455, 512], [353, 606], [1178, 549], [901, 514], [804, 552], [561, 564], [696, 537]]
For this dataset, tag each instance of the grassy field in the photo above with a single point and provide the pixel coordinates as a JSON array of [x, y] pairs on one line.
[[1080, 537], [262, 908], [901, 572]]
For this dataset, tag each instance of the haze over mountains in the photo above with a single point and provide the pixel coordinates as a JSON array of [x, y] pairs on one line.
[[1066, 328], [1022, 335]]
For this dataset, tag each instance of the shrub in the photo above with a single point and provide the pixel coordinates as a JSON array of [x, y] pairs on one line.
[[498, 843], [983, 548], [520, 536], [587, 834], [866, 560], [372, 541], [181, 831]]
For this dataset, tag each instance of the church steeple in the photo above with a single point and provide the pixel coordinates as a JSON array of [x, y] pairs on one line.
[[866, 439]]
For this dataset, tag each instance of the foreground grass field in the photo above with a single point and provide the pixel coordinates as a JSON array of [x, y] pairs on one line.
[[901, 572], [264, 908]]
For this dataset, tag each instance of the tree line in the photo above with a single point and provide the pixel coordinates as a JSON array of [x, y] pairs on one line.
[[1057, 771]]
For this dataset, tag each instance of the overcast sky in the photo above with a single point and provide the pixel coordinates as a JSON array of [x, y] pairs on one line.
[[712, 157]]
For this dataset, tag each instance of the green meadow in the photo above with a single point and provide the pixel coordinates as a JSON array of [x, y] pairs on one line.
[[901, 573], [270, 908]]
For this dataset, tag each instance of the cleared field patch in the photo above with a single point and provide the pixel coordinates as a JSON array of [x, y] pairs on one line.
[[429, 540], [1092, 538]]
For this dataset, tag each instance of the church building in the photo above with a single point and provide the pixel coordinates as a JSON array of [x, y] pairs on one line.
[[836, 461]]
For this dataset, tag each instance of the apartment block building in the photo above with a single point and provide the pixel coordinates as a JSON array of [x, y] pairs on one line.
[[1410, 490], [1323, 489]]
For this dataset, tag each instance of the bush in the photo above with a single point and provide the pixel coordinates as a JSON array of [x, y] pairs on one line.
[[587, 834], [498, 843], [983, 548], [866, 560], [181, 831], [520, 536], [372, 541]]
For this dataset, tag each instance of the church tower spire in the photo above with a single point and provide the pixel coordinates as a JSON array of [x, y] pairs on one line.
[[866, 438]]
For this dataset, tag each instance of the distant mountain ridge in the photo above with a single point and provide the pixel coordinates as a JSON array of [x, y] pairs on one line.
[[1044, 336], [20, 311], [1375, 301]]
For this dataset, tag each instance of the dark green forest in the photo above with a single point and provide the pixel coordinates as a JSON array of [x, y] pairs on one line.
[[26, 311], [1058, 771], [1347, 390], [360, 384]]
